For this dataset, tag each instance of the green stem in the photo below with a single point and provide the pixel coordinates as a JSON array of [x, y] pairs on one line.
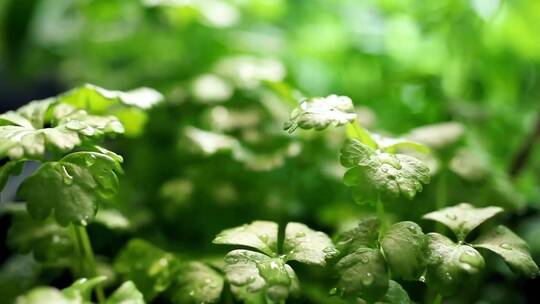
[[381, 215], [438, 299], [89, 260], [354, 130], [442, 197]]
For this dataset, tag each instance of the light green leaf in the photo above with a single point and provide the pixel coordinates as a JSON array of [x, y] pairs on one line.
[[438, 135], [150, 268], [366, 234], [129, 107], [321, 112], [197, 283], [256, 271], [127, 293], [32, 115], [405, 248], [449, 264], [306, 245], [362, 274], [44, 295], [48, 241], [23, 133], [81, 290], [71, 187], [261, 235], [511, 248], [372, 173], [393, 145], [395, 295], [463, 218]]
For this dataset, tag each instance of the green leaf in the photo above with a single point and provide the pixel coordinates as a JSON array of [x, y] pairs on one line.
[[449, 264], [42, 295], [306, 245], [393, 145], [395, 294], [197, 283], [150, 268], [98, 100], [321, 112], [366, 234], [256, 271], [511, 248], [8, 169], [129, 107], [23, 133], [261, 235], [71, 187], [405, 247], [463, 218], [363, 274], [81, 290], [18, 274], [372, 173], [438, 135], [48, 241], [127, 293]]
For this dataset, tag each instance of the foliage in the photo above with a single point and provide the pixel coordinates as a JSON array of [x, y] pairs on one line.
[[424, 104]]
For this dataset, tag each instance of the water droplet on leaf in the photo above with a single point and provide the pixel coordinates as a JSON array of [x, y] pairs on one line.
[[67, 178], [506, 246], [367, 279], [452, 217]]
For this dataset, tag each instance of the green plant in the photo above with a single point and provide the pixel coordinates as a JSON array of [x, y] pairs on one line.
[[76, 175], [74, 178]]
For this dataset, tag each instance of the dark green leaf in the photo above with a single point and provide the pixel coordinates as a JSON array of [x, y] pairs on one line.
[[150, 268], [256, 271], [306, 245], [511, 248], [366, 234], [463, 218], [450, 264], [405, 248], [48, 241], [71, 187], [261, 235], [363, 274], [395, 295], [372, 173], [197, 283]]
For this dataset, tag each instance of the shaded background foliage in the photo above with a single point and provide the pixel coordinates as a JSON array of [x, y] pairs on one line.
[[236, 68]]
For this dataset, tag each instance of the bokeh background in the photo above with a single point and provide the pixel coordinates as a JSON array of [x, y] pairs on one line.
[[214, 155]]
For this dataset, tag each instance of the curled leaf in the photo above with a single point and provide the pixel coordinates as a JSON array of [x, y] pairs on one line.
[[320, 112]]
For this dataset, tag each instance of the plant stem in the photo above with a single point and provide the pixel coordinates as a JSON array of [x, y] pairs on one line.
[[381, 215], [438, 299], [88, 258], [354, 130], [442, 196]]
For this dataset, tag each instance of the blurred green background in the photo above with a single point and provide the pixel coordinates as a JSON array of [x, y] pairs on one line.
[[214, 155]]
